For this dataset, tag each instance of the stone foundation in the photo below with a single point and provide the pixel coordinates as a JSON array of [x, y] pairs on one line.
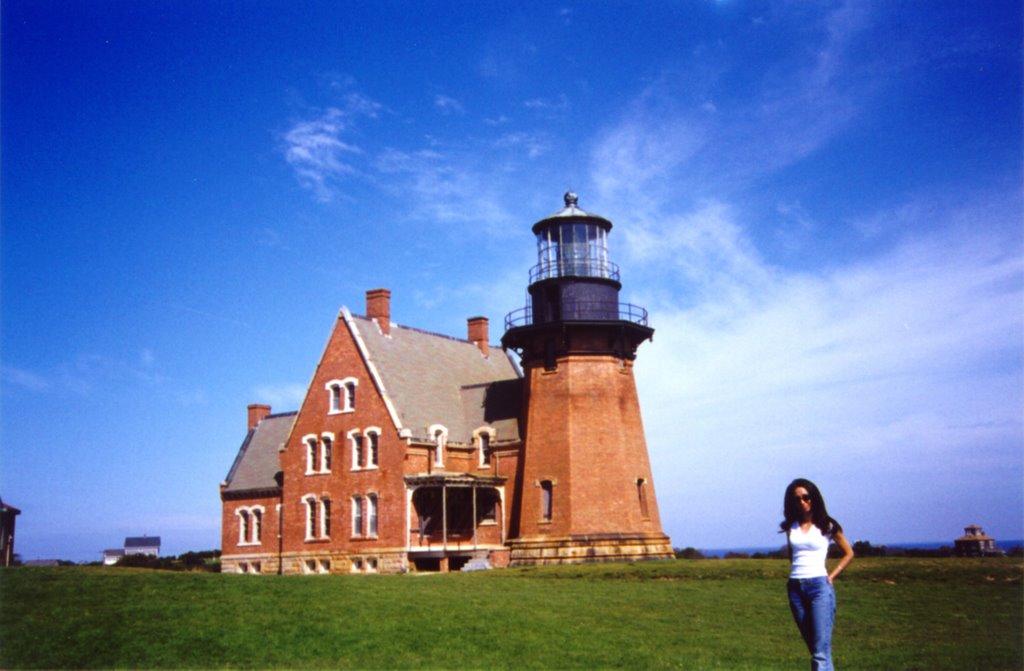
[[577, 549]]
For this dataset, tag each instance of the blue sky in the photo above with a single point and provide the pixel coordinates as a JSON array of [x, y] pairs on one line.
[[819, 204]]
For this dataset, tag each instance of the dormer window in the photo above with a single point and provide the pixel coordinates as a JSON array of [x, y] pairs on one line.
[[440, 435], [341, 395], [484, 437]]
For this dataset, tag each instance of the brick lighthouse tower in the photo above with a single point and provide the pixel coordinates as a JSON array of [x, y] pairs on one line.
[[587, 491]]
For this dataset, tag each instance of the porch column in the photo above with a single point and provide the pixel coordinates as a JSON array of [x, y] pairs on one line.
[[408, 512], [444, 516], [501, 499]]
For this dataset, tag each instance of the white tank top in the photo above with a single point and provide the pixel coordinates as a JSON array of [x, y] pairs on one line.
[[809, 552]]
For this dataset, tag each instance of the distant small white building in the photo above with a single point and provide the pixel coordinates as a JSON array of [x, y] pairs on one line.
[[111, 556], [133, 545]]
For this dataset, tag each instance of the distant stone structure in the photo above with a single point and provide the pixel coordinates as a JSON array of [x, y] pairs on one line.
[[974, 543], [7, 519]]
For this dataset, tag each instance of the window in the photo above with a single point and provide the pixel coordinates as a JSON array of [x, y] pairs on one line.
[[326, 444], [373, 447], [257, 525], [341, 395], [250, 525], [546, 496], [243, 527], [358, 450], [641, 492], [311, 515], [357, 516], [350, 395], [371, 515], [440, 435], [484, 437], [311, 453], [325, 518]]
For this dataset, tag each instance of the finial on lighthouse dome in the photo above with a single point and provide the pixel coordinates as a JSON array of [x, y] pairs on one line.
[[571, 199]]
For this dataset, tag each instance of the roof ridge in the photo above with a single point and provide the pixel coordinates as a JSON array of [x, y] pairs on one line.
[[423, 331]]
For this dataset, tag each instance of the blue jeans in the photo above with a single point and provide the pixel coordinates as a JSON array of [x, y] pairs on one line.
[[813, 602]]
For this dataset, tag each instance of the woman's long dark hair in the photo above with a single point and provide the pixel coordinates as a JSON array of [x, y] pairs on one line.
[[819, 514]]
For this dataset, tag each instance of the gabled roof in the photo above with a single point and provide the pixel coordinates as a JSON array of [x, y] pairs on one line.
[[435, 379], [257, 462], [142, 542]]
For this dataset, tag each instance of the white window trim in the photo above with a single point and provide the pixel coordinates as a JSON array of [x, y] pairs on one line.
[[352, 435], [491, 433], [307, 500], [439, 434], [311, 444], [255, 525], [337, 390], [322, 503], [325, 437], [372, 503], [357, 504], [375, 430]]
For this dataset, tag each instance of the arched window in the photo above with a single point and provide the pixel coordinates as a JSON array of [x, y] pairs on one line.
[[341, 395], [440, 436], [326, 445], [243, 526], [372, 447], [371, 515], [257, 525], [310, 442], [358, 449], [357, 516], [484, 436], [311, 517], [641, 493], [325, 518], [547, 492]]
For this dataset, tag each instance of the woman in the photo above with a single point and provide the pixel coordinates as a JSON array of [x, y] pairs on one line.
[[809, 529]]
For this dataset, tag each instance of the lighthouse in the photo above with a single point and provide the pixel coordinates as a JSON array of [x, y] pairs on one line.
[[586, 489]]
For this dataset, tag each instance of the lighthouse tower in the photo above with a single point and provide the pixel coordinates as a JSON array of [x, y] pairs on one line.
[[587, 491]]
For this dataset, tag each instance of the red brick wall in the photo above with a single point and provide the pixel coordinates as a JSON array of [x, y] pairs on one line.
[[585, 433]]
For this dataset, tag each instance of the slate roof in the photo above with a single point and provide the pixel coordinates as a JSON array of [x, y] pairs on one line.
[[142, 542], [258, 462], [435, 379]]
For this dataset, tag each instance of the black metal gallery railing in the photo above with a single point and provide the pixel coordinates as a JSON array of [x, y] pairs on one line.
[[580, 311]]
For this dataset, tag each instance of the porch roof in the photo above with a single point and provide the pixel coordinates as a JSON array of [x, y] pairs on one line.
[[454, 480]]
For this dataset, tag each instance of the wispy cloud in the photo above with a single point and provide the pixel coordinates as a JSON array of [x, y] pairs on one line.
[[315, 151], [448, 105], [24, 379], [878, 368]]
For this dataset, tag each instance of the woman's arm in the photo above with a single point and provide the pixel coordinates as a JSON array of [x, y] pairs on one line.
[[845, 560]]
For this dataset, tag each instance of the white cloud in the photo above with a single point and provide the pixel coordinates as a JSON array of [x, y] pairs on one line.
[[898, 373], [448, 105], [315, 149]]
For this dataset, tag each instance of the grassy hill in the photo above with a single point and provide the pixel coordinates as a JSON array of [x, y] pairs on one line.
[[714, 614]]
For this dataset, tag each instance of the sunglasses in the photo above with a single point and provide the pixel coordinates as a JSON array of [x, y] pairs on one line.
[[806, 498]]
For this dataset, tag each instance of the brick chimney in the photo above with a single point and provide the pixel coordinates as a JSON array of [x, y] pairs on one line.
[[478, 333], [256, 413], [378, 306]]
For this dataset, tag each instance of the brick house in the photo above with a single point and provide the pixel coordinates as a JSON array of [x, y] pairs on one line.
[[410, 449]]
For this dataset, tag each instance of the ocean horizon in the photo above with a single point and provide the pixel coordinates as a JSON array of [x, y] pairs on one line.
[[719, 553]]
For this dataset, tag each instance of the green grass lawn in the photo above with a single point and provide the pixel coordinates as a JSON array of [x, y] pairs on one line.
[[725, 614]]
